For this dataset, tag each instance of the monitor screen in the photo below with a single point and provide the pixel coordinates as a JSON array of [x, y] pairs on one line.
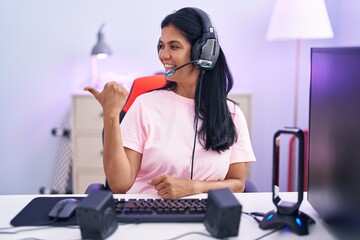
[[334, 135]]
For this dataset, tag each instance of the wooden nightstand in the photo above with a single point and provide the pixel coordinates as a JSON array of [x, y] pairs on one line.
[[87, 125]]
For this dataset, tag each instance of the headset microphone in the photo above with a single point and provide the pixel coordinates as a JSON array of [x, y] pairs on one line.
[[172, 71]]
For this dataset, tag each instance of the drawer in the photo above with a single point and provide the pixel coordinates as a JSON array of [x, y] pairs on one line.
[[88, 151], [87, 113], [84, 178]]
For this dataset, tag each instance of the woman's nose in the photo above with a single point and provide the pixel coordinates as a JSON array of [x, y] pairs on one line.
[[164, 53]]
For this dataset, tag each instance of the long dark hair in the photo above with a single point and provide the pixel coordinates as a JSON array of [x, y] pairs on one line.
[[217, 131]]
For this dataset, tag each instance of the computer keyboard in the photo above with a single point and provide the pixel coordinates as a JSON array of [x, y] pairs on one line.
[[160, 210]]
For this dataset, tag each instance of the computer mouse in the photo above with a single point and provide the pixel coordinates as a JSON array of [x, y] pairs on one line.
[[64, 208]]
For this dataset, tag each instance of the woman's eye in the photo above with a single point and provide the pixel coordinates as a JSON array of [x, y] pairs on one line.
[[174, 47], [160, 46]]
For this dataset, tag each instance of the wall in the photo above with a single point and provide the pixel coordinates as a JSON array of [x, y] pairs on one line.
[[45, 48]]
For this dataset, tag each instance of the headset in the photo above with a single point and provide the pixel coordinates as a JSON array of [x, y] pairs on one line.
[[205, 51]]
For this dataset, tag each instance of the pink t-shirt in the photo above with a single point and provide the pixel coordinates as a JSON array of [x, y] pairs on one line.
[[160, 126]]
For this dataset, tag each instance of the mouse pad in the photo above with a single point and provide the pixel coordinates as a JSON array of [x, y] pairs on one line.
[[35, 213]]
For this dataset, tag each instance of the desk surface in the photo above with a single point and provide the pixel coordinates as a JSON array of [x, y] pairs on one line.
[[249, 229]]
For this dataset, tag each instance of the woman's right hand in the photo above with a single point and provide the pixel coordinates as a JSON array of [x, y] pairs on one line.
[[112, 98]]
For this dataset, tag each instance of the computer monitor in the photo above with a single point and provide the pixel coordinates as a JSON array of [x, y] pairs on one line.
[[334, 136]]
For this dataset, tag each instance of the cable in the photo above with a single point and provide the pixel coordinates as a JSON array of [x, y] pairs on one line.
[[25, 230], [273, 231], [254, 216], [196, 124], [45, 227], [190, 233], [6, 228], [48, 222], [258, 214]]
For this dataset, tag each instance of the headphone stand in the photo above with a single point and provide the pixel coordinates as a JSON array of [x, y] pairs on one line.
[[287, 214], [298, 222]]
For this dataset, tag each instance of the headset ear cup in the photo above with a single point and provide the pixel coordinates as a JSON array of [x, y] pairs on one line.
[[210, 51], [206, 47], [196, 50]]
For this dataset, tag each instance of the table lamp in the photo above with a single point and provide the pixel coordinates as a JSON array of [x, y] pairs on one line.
[[297, 20], [100, 51]]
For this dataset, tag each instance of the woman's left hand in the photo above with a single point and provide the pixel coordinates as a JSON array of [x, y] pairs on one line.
[[169, 187]]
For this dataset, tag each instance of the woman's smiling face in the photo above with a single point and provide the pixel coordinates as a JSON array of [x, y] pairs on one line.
[[174, 51]]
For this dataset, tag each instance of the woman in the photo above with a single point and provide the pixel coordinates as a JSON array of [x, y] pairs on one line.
[[156, 150]]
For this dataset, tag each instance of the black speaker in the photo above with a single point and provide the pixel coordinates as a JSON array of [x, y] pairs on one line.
[[96, 215], [223, 213]]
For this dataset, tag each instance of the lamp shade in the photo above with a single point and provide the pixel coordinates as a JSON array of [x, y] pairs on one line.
[[101, 49], [299, 19]]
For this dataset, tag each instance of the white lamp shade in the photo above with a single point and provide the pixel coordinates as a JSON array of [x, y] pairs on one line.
[[299, 19]]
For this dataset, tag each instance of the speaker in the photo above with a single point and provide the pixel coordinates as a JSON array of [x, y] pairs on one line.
[[96, 215], [223, 213], [206, 49]]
